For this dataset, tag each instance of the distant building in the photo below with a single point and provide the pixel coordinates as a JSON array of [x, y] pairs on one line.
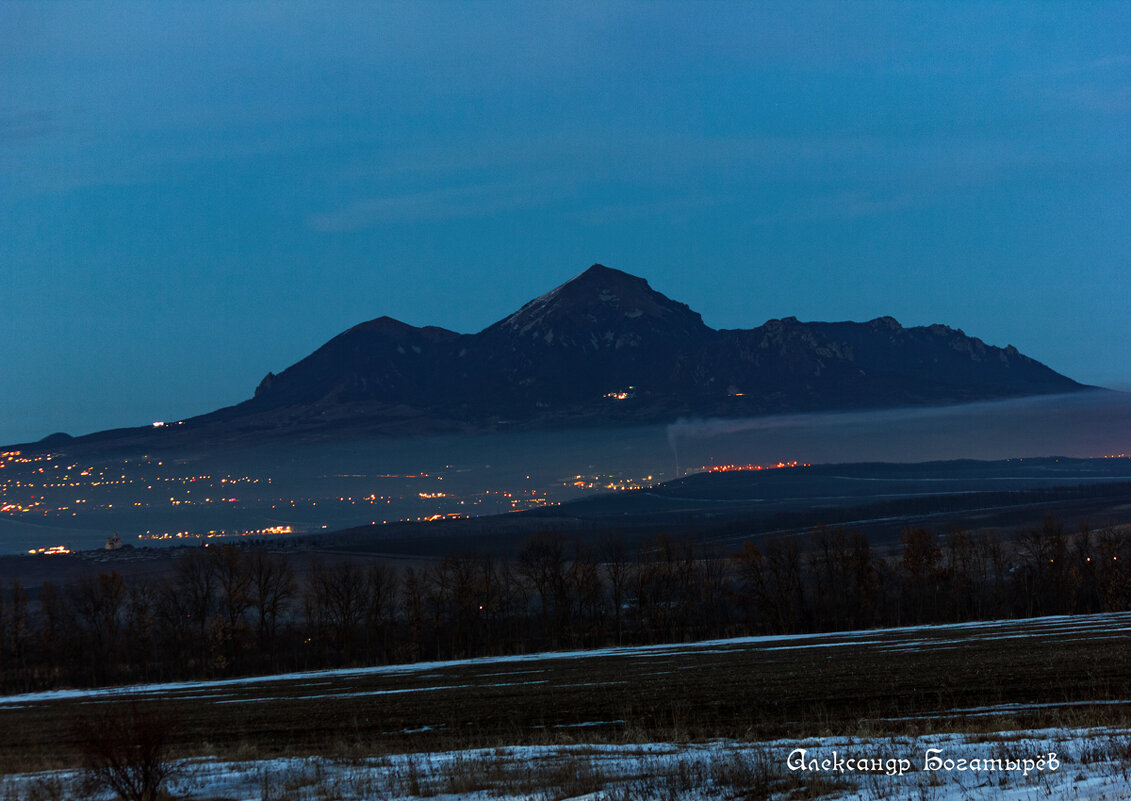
[[113, 543]]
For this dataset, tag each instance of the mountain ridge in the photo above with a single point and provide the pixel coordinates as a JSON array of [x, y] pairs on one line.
[[606, 348]]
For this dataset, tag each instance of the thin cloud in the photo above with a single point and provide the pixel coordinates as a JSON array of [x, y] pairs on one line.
[[437, 204], [20, 125], [1096, 99]]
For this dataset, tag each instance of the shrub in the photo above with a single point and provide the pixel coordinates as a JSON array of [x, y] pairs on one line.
[[125, 748]]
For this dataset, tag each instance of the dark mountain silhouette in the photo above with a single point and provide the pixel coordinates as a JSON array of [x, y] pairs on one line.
[[605, 348]]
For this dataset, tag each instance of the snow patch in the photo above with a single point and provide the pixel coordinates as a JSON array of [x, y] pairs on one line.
[[1115, 623], [1088, 765]]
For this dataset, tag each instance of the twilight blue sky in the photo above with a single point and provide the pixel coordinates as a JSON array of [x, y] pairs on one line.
[[194, 194]]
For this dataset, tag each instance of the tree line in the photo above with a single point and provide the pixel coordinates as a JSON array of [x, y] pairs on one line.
[[226, 611]]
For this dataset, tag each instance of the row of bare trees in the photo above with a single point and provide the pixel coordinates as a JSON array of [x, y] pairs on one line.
[[228, 611]]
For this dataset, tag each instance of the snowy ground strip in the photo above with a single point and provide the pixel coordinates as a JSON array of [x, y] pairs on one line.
[[904, 639], [1091, 763]]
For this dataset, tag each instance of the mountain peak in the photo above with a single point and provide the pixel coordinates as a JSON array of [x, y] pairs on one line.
[[395, 329], [384, 325], [605, 299], [599, 272]]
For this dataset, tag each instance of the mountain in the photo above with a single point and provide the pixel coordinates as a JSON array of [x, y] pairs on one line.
[[606, 348]]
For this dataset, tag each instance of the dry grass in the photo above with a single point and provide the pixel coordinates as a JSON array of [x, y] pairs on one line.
[[866, 685], [655, 772]]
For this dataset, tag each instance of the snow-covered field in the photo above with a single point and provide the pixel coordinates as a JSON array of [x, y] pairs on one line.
[[1020, 710], [1064, 628], [1086, 763]]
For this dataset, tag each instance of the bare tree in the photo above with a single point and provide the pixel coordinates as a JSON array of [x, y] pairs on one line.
[[617, 564], [55, 614], [921, 568], [784, 584], [588, 594], [97, 601], [341, 596], [126, 749], [3, 638], [413, 596], [271, 589], [233, 578], [383, 584], [1113, 570], [541, 561], [19, 633], [714, 616], [141, 626], [864, 577], [196, 590]]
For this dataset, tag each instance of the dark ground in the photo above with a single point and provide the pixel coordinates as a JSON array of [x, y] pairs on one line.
[[1058, 671]]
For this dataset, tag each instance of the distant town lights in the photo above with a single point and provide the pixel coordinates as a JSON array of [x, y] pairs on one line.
[[51, 551], [726, 468]]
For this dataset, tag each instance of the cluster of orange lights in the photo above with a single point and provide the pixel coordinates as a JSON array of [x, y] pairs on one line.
[[18, 458], [727, 468], [51, 551], [189, 535], [16, 507]]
